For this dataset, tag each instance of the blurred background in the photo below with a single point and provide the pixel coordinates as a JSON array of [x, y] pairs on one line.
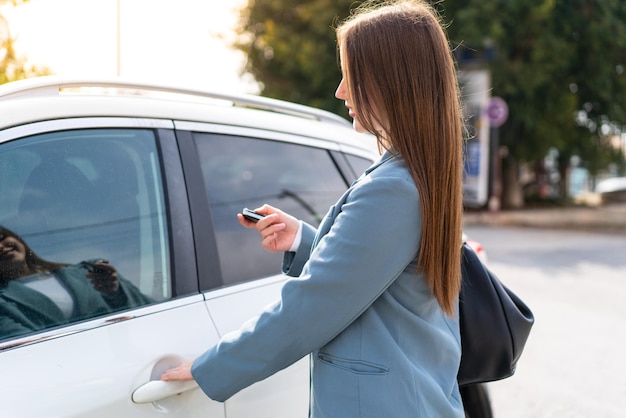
[[544, 90], [186, 42], [543, 80]]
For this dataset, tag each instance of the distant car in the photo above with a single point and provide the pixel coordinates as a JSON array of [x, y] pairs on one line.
[[612, 189], [143, 182]]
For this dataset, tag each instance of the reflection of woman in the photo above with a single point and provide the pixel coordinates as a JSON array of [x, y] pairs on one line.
[[37, 294], [376, 294]]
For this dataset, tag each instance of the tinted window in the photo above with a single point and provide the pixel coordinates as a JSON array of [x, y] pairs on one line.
[[89, 204], [358, 164], [245, 172]]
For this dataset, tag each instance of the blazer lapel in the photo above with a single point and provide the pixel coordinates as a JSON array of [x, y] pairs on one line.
[[329, 219]]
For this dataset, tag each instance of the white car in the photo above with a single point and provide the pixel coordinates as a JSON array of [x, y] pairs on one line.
[[120, 251], [145, 181]]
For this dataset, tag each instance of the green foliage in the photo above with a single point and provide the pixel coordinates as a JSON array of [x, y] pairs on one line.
[[560, 66], [292, 51], [12, 66]]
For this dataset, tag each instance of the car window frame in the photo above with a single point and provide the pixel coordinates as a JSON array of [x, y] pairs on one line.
[[205, 249]]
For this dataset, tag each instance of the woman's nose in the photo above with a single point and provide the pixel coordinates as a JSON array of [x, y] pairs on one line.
[[340, 92]]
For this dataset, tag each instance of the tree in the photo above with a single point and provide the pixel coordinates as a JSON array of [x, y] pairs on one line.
[[559, 65], [12, 66], [292, 51]]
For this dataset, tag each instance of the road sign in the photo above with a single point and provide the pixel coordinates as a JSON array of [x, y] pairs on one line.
[[497, 111]]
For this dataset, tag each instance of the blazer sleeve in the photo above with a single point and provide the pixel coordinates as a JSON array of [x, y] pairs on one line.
[[374, 235], [127, 296], [293, 262]]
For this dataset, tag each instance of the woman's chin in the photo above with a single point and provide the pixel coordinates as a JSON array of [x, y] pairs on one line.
[[358, 127]]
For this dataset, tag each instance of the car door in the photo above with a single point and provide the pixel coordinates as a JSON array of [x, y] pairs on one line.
[[98, 289], [248, 168]]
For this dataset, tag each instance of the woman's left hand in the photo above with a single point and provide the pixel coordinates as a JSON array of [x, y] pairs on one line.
[[182, 372]]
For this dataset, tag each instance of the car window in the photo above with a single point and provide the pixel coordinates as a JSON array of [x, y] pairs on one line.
[[82, 227], [247, 172], [358, 164]]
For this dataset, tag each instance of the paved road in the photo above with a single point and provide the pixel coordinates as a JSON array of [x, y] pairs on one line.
[[574, 364], [606, 218]]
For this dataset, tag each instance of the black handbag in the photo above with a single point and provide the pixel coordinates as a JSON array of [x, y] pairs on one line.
[[495, 324]]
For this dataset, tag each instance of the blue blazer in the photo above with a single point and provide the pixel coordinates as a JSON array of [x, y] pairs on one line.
[[379, 342]]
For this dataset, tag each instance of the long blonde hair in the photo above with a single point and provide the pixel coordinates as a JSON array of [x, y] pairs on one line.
[[398, 66]]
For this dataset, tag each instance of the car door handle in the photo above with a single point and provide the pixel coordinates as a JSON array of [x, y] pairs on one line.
[[155, 390]]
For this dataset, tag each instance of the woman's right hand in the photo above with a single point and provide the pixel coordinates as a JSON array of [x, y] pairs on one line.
[[103, 277], [277, 229]]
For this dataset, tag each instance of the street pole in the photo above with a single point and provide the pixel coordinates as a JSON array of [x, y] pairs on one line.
[[118, 35], [495, 186], [497, 112]]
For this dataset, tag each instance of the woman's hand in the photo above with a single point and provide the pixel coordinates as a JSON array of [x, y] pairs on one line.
[[104, 278], [278, 229], [182, 372]]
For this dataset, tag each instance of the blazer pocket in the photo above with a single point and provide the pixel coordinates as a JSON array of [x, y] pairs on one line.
[[353, 366]]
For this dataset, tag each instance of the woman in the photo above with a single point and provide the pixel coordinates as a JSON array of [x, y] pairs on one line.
[[376, 294], [36, 294]]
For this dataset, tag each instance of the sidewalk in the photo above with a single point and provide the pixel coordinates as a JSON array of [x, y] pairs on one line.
[[610, 218]]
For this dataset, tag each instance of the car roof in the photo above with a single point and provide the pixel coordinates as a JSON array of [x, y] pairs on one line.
[[53, 98]]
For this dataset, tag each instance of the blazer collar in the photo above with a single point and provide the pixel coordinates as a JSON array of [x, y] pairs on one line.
[[383, 159]]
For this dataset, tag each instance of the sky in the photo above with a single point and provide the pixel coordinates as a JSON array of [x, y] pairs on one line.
[[182, 42]]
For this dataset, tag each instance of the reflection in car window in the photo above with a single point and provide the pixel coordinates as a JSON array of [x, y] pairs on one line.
[[245, 172], [81, 227]]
